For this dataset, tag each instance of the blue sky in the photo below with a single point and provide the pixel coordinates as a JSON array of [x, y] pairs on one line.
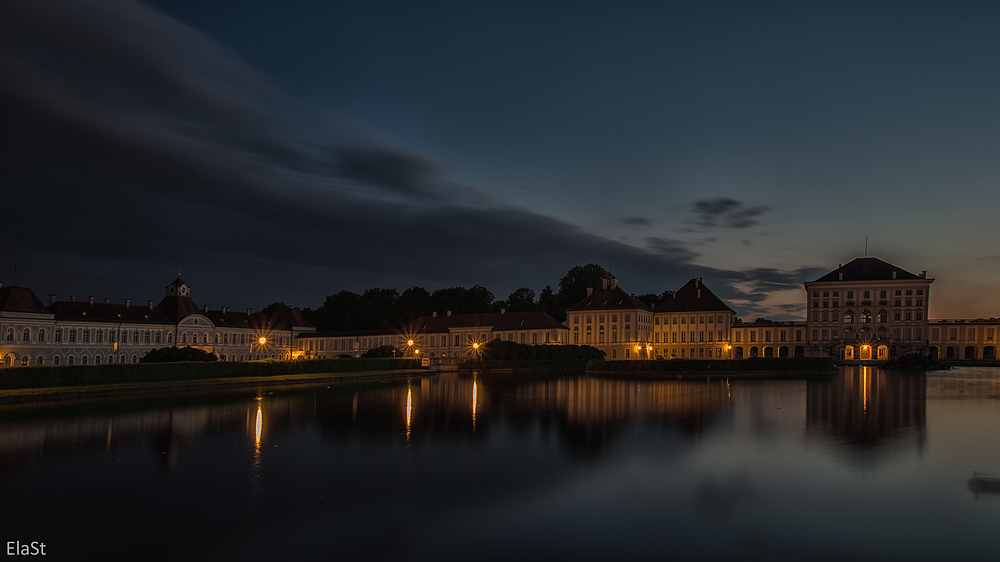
[[288, 151]]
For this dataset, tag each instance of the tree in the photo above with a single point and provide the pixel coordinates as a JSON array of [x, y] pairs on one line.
[[373, 309], [547, 300], [649, 299], [381, 352], [412, 304], [521, 300], [176, 354], [274, 306], [335, 313], [573, 287]]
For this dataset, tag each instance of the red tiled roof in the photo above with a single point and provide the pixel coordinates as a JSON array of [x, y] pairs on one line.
[[20, 299], [610, 298], [108, 312], [694, 296], [864, 269]]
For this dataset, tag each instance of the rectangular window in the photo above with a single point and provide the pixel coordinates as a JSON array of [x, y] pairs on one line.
[[781, 335], [626, 353], [710, 334], [72, 334], [798, 335], [826, 294], [86, 336], [920, 302], [920, 291], [836, 293], [673, 337], [898, 302], [683, 337], [701, 352], [826, 334], [935, 334], [767, 335], [576, 337], [908, 315], [909, 292], [867, 295], [850, 294], [972, 333], [739, 336], [674, 320], [753, 335], [907, 334], [920, 315], [100, 336], [953, 334], [918, 334], [701, 336], [895, 315], [145, 337], [881, 294]]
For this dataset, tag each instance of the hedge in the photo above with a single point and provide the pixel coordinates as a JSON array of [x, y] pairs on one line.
[[74, 375]]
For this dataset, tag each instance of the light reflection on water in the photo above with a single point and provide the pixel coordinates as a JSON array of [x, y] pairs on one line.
[[863, 464]]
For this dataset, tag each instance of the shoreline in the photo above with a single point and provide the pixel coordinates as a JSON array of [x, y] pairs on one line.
[[54, 393]]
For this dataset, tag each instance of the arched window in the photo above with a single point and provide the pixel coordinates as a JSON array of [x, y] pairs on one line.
[[866, 316], [881, 333], [849, 334], [10, 334], [111, 358], [122, 358], [41, 335], [204, 339], [883, 317], [97, 360], [55, 360], [135, 358], [70, 360], [170, 338], [26, 335], [849, 317], [83, 360], [184, 337], [40, 360], [24, 360], [216, 338], [242, 357]]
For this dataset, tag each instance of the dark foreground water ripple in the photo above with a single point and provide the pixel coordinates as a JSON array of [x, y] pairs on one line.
[[864, 465]]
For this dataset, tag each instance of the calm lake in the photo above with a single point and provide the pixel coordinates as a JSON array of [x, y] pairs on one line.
[[863, 465]]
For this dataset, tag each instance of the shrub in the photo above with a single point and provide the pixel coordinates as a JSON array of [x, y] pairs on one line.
[[177, 354]]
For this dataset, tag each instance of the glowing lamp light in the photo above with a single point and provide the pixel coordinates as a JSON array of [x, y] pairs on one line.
[[262, 340], [475, 345], [409, 342]]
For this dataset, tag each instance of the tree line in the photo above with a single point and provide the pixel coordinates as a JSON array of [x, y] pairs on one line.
[[388, 309]]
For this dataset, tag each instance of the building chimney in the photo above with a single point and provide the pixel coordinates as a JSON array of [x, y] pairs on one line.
[[923, 274], [127, 301], [150, 304], [604, 283], [841, 276], [52, 298], [449, 313], [590, 290], [613, 282], [90, 299], [107, 300], [249, 311], [225, 309], [434, 314], [503, 311], [72, 298], [696, 281], [893, 274], [205, 308]]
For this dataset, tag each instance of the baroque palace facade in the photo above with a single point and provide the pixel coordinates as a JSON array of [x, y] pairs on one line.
[[865, 310], [77, 332]]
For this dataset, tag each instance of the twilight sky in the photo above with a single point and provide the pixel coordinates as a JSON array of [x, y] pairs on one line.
[[287, 151]]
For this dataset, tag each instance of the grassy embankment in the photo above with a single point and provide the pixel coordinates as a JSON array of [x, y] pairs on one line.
[[166, 375], [693, 367]]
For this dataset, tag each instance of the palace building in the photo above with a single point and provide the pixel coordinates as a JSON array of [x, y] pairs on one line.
[[865, 310], [75, 332]]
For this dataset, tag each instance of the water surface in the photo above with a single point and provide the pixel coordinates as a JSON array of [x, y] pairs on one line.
[[866, 464]]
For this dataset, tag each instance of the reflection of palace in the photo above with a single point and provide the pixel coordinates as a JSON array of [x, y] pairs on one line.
[[588, 412], [868, 409]]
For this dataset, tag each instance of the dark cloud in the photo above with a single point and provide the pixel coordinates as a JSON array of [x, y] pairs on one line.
[[634, 221], [724, 212], [134, 145], [672, 249]]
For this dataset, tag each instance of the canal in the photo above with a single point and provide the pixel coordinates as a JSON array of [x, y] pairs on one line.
[[471, 466]]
